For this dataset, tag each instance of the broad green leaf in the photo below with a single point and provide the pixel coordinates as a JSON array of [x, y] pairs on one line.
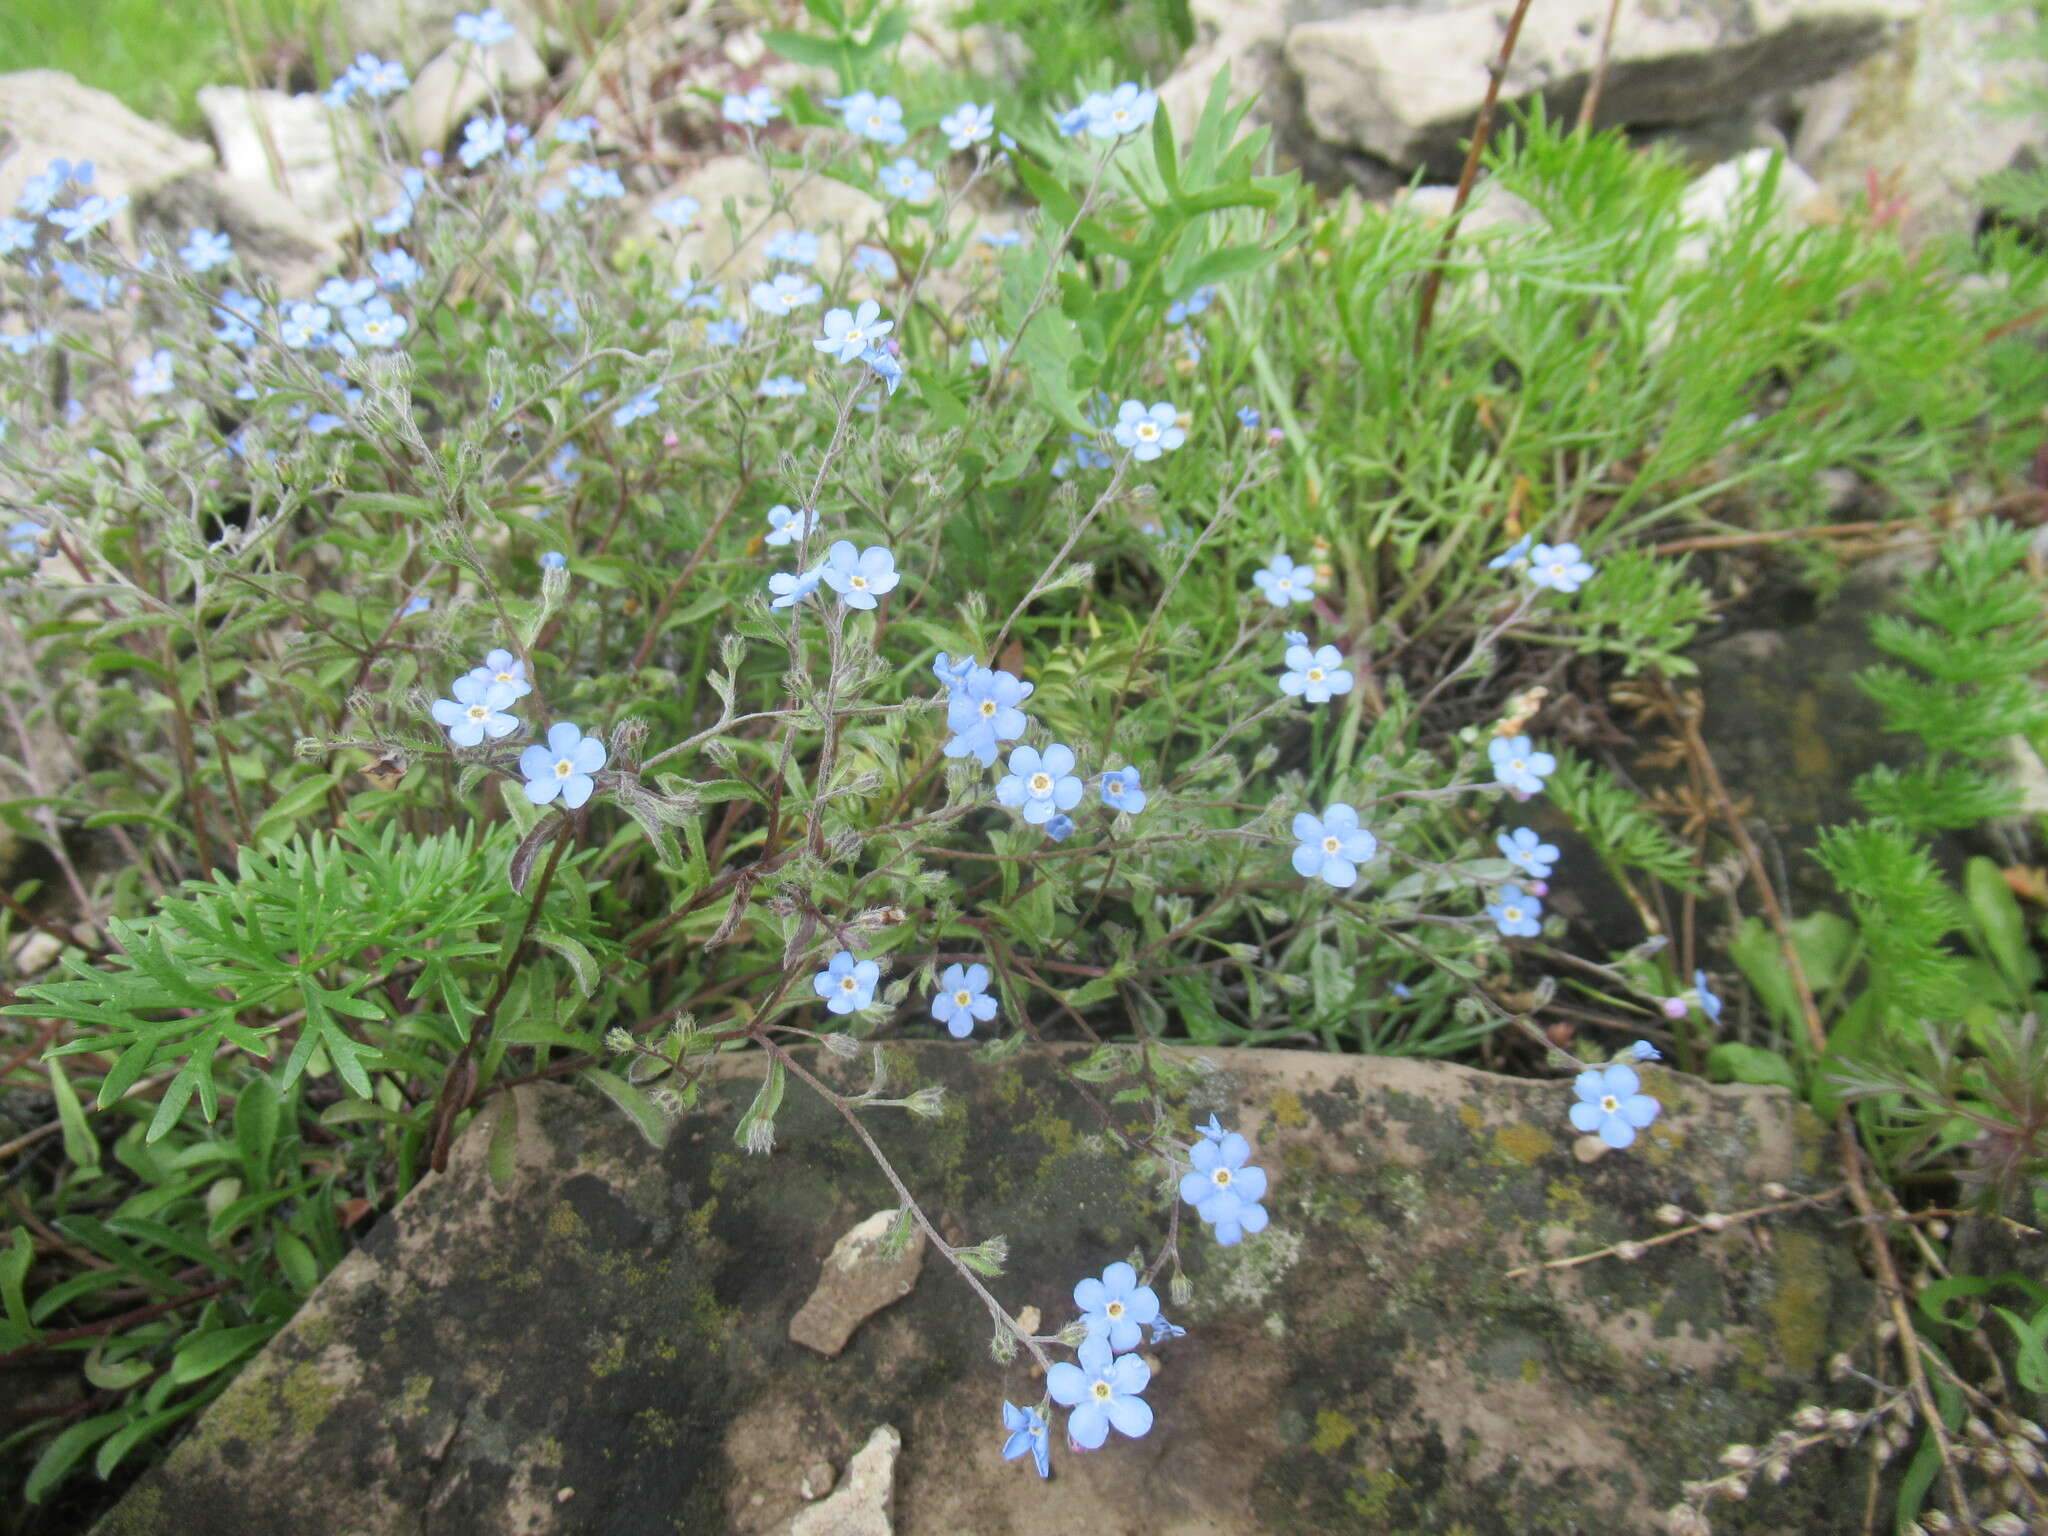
[[1733, 1062], [203, 1354], [649, 1121], [80, 1145]]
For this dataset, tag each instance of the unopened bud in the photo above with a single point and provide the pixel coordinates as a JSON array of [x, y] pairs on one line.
[[842, 1045], [927, 1103], [1675, 1008], [1776, 1191], [1778, 1468], [1937, 1229], [2033, 1432], [618, 1041], [1714, 1221], [1811, 1417], [1845, 1421], [1992, 1460], [1684, 1520], [1181, 1289], [1840, 1365], [760, 1136], [1937, 1523], [1629, 1251], [1738, 1458], [1670, 1215], [2005, 1523], [1002, 1346]]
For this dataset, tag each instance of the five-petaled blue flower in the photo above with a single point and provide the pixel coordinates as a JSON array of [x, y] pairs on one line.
[[1612, 1105], [1147, 430], [1116, 1307], [1519, 550], [676, 212], [1112, 114], [799, 247], [1059, 827], [983, 711], [1040, 783], [909, 180], [1028, 1432], [1102, 1390], [879, 118], [963, 998], [1121, 791], [751, 110], [968, 125], [782, 386], [1223, 1190], [395, 269], [486, 28], [25, 539], [501, 666], [792, 587], [1284, 582], [874, 261], [1517, 764], [642, 404], [1710, 1005], [786, 526], [562, 767], [477, 710], [848, 333], [482, 137], [1331, 848], [1517, 915], [206, 249], [374, 324], [858, 578], [847, 985], [1314, 675], [1527, 852], [784, 294], [152, 375], [1559, 567]]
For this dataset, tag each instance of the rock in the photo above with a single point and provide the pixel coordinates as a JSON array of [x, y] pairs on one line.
[[271, 236], [458, 80], [293, 146], [47, 115], [841, 217], [862, 1507], [818, 1480], [1713, 202], [412, 29], [1926, 119], [614, 1320], [34, 952], [1361, 87], [858, 1280]]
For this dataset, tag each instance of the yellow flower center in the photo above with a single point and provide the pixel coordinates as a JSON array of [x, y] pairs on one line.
[[963, 997], [1101, 1389], [988, 709], [479, 711], [1515, 764], [855, 335], [564, 769], [1512, 914], [504, 677], [1041, 784], [1148, 430], [847, 984], [1609, 1103], [1315, 674], [1331, 845], [1115, 1310], [1220, 1178], [858, 583]]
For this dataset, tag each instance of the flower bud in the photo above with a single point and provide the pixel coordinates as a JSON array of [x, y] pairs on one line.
[[2005, 1523], [1845, 1421], [618, 1041], [1670, 1215], [1937, 1523], [1776, 1191], [842, 1045], [1738, 1458], [1684, 1520], [1674, 1008], [1810, 1417], [927, 1103], [1628, 1251], [1714, 1221]]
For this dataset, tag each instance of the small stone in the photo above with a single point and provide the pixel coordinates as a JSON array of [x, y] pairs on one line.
[[862, 1507], [857, 1282], [817, 1482], [456, 82], [564, 1495], [34, 952], [1028, 1319]]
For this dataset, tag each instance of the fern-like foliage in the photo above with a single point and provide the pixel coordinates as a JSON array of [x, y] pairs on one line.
[[1611, 817], [1906, 910]]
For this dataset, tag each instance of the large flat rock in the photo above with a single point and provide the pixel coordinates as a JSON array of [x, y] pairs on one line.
[[602, 1346]]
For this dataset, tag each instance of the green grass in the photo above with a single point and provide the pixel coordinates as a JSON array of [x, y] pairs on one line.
[[155, 54]]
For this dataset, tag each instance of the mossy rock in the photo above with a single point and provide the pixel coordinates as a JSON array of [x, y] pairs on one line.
[[602, 1346]]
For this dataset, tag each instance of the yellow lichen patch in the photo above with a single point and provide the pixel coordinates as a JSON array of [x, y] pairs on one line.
[[412, 1398], [1524, 1143], [1799, 1310], [1567, 1199], [612, 1358], [1473, 1116], [1375, 1500], [1332, 1431], [1285, 1108], [563, 1222]]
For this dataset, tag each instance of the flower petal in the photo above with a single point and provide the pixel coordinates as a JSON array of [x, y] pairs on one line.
[[1066, 1382]]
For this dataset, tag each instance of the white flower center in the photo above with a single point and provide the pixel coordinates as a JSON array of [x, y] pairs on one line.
[[1114, 787], [988, 709], [1220, 1178], [963, 997], [1118, 115], [1041, 784], [1315, 674], [847, 984], [479, 711], [564, 769], [1609, 1103], [1512, 914], [1515, 764], [504, 677], [1284, 583], [1102, 1390], [1148, 430], [855, 335], [1331, 845], [858, 583], [1114, 1310]]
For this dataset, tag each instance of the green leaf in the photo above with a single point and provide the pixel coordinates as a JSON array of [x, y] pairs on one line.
[[2002, 925], [63, 1453], [501, 1157], [297, 1261], [1733, 1062], [80, 1145], [649, 1121], [256, 1115], [581, 962], [14, 1262], [203, 1354], [2031, 1360], [818, 52], [761, 1113]]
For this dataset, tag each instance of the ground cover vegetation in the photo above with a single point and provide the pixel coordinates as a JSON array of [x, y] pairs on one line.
[[1083, 604]]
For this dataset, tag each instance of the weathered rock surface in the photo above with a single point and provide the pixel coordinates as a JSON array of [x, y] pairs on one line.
[[840, 215], [1404, 84], [47, 115], [294, 147], [857, 1281], [602, 1346], [458, 80]]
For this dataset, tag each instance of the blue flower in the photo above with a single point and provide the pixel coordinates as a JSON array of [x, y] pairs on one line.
[[1073, 122], [1147, 431], [848, 333], [1519, 550], [1121, 792], [846, 985], [378, 78], [952, 673], [25, 539], [787, 527], [1027, 1430], [593, 184], [886, 368], [1213, 1130], [1116, 1307], [1223, 1190], [554, 560], [676, 212], [1059, 826], [305, 325], [415, 605], [641, 405], [482, 137], [686, 294], [729, 332], [859, 578], [1517, 915], [486, 28], [1247, 418], [792, 587], [909, 180], [878, 118], [563, 767], [152, 375], [95, 292], [963, 998], [1710, 1005], [575, 130], [1612, 1104], [41, 189], [1642, 1050], [88, 216], [782, 387], [1001, 239], [16, 235], [1192, 305], [477, 711], [1518, 765], [206, 249], [1332, 848], [1314, 675], [968, 125], [752, 110], [501, 666], [1527, 852], [1559, 567], [1284, 582], [373, 324], [1127, 109], [784, 294], [400, 214], [560, 467], [395, 269], [1040, 783], [25, 342], [798, 247], [874, 261], [984, 711], [1102, 1390], [1162, 1330]]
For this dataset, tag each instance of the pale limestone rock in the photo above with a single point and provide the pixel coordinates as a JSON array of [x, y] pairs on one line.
[[858, 1280], [294, 144], [46, 115], [457, 83], [863, 1504]]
